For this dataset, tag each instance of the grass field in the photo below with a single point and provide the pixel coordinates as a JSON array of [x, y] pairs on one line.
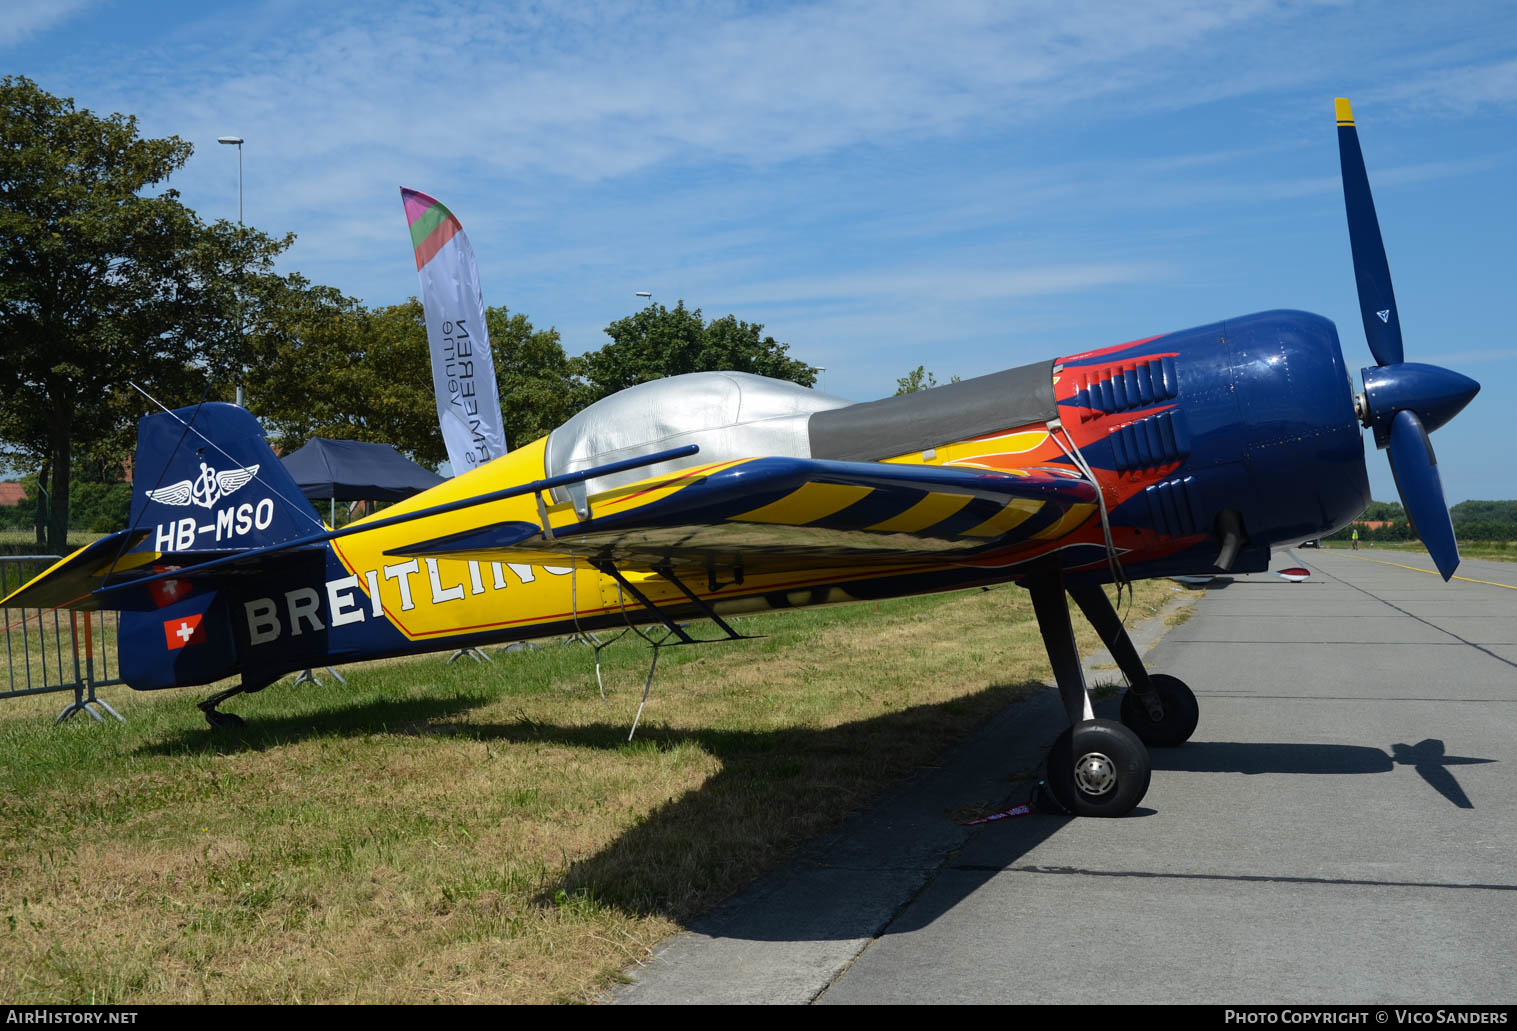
[[24, 542], [471, 833], [1501, 551], [37, 648]]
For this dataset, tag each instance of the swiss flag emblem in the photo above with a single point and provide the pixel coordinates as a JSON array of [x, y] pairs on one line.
[[166, 592], [182, 631]]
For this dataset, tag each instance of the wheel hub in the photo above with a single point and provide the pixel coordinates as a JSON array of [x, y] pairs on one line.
[[1095, 774]]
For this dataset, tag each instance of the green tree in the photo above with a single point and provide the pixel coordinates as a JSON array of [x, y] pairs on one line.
[[658, 342], [337, 369], [918, 379], [537, 381], [105, 281], [1383, 511], [1493, 512]]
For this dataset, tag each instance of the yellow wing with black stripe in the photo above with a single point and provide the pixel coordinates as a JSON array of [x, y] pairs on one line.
[[787, 513]]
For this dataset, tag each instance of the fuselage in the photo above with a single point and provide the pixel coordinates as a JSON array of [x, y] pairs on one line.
[[1248, 424]]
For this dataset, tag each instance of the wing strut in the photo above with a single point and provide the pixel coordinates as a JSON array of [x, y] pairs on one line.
[[666, 571], [609, 568]]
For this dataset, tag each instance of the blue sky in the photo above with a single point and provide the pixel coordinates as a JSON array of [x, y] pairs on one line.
[[967, 186]]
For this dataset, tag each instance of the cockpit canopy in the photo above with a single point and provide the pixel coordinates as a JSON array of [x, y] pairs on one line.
[[728, 414]]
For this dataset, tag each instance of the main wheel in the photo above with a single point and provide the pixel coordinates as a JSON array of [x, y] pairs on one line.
[[1098, 768], [1180, 713]]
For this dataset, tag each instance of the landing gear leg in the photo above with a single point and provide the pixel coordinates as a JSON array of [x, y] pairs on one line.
[[226, 720], [1159, 708], [1096, 767], [215, 717]]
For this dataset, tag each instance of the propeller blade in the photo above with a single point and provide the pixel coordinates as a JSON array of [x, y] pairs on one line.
[[1377, 301], [1416, 470]]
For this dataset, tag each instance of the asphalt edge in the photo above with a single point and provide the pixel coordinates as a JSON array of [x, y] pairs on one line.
[[792, 933]]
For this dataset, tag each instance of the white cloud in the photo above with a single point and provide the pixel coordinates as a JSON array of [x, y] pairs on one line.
[[491, 101], [1458, 91], [24, 19], [981, 184], [1474, 356], [612, 92], [962, 284]]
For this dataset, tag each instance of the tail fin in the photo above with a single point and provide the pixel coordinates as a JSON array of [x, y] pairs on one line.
[[207, 480]]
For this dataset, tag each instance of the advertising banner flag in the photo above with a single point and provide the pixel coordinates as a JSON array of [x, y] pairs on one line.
[[463, 374]]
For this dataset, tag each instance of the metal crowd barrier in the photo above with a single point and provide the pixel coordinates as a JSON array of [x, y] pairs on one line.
[[51, 650]]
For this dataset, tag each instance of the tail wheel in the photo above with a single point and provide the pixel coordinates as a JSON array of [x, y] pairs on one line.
[[1181, 713], [1098, 768]]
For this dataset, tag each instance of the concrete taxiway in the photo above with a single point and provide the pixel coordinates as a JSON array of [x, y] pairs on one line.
[[1339, 829]]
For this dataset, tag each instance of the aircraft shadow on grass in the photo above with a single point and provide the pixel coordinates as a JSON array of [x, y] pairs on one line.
[[656, 867]]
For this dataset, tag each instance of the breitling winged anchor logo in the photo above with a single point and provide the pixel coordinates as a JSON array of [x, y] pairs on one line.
[[206, 489]]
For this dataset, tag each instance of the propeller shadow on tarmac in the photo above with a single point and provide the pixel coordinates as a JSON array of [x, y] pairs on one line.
[[1428, 758]]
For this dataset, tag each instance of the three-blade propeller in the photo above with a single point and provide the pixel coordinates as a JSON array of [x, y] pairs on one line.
[[1403, 401]]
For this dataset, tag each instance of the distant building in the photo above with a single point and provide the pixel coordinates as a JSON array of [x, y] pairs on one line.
[[11, 494]]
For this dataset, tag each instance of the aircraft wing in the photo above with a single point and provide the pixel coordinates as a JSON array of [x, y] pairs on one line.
[[754, 513], [785, 513]]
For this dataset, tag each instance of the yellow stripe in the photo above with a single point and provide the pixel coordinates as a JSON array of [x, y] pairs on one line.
[[1076, 515], [1345, 113], [1016, 512], [799, 507], [934, 508], [141, 558], [1434, 572]]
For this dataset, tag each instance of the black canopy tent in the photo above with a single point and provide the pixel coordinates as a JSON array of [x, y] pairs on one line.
[[351, 470]]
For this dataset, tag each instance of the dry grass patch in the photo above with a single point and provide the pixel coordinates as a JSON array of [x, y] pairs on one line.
[[465, 832]]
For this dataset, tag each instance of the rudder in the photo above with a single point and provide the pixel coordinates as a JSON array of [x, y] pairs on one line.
[[207, 480]]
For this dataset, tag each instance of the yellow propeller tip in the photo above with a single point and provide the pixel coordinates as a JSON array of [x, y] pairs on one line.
[[1345, 113]]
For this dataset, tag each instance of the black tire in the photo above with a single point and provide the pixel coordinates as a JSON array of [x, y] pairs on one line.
[[1098, 768], [1181, 713]]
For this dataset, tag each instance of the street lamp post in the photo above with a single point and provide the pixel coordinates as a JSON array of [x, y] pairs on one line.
[[237, 141]]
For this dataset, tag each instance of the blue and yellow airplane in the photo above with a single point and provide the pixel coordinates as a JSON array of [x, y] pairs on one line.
[[1194, 452]]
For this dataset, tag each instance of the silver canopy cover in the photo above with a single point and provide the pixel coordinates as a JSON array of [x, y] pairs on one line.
[[729, 414]]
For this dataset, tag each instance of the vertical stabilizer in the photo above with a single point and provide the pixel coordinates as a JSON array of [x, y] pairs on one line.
[[207, 480]]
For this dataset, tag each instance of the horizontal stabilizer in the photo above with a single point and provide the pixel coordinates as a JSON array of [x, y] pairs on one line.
[[72, 583], [69, 581]]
